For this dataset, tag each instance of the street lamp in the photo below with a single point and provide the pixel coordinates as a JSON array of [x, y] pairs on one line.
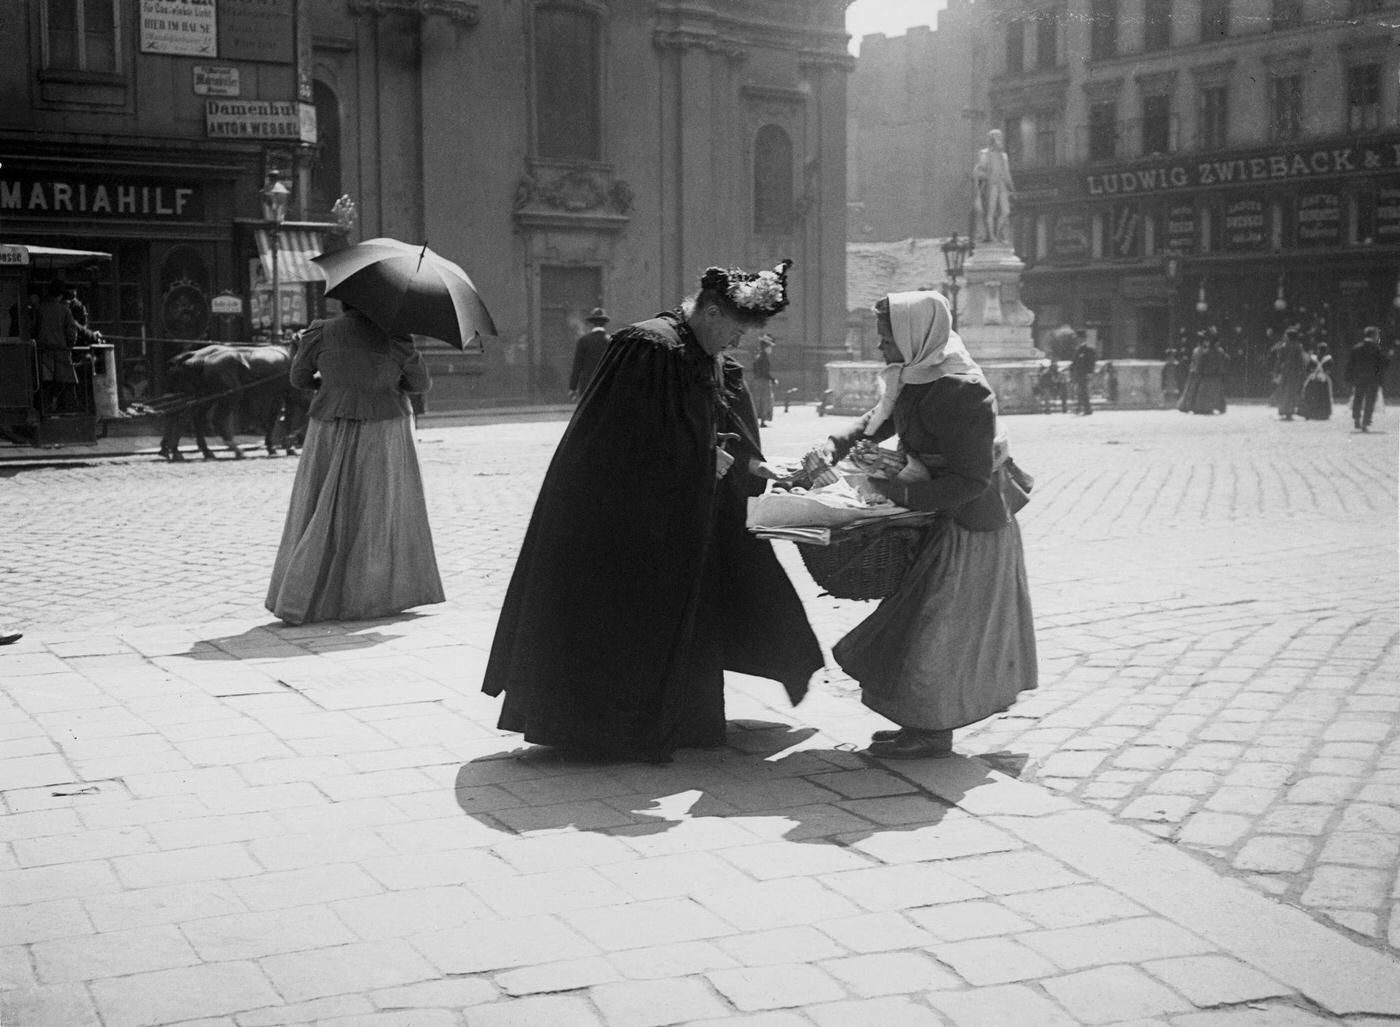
[[274, 201], [1280, 304], [955, 254], [1201, 306]]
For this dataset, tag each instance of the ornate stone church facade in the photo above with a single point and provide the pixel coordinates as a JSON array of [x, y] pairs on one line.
[[572, 154]]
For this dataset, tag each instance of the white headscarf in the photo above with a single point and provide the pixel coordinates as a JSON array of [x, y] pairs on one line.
[[923, 332]]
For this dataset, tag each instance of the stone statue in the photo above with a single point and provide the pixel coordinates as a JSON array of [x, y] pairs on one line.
[[992, 189]]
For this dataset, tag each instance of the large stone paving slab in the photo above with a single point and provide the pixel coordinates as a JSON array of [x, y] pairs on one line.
[[783, 879]]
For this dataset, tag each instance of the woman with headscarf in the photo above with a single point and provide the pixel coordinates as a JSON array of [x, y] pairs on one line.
[[1316, 404], [955, 642]]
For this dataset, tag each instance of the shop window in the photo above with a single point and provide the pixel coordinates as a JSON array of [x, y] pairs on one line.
[[1157, 125], [326, 185], [1015, 47], [1286, 14], [1103, 130], [1047, 132], [1213, 117], [1285, 107], [772, 182], [567, 76], [1364, 98], [1047, 38], [1157, 33], [1103, 29], [1215, 20], [81, 35]]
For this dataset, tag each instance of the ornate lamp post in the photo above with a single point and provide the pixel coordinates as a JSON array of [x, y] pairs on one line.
[[955, 254], [274, 200]]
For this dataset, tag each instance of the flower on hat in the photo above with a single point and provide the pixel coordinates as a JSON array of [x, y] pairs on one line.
[[758, 292]]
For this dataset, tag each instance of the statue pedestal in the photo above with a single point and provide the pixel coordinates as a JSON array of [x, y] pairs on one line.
[[991, 318]]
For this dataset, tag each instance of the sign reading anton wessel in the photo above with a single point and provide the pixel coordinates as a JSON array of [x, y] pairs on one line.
[[260, 119], [1282, 165]]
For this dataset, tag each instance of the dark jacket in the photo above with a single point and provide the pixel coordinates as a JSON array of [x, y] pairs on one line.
[[588, 351], [950, 425], [1086, 358], [1367, 363], [365, 373]]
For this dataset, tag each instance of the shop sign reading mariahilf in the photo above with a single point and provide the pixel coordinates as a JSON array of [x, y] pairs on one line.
[[1287, 165], [28, 194]]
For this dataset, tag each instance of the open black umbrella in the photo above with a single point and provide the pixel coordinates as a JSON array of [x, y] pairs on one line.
[[407, 289]]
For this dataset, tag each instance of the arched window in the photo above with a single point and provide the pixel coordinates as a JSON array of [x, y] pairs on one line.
[[567, 74], [772, 182], [325, 177]]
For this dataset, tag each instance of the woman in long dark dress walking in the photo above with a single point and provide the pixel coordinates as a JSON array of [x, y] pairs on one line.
[[955, 643], [356, 543], [1316, 404]]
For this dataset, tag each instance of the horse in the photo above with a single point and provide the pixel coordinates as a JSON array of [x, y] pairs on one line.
[[219, 379]]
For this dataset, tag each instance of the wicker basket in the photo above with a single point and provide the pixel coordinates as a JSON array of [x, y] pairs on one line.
[[866, 562]]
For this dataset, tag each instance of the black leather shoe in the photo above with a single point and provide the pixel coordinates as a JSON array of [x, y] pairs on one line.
[[915, 745], [7, 639]]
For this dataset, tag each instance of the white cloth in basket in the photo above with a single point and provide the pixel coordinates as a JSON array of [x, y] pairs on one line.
[[831, 506]]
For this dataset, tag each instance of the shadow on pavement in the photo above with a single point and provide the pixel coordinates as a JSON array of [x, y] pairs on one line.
[[769, 776]]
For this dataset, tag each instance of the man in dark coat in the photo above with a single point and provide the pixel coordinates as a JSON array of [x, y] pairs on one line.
[[637, 584], [1365, 369], [588, 351], [1081, 368]]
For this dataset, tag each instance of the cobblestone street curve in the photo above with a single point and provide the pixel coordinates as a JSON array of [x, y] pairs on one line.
[[1216, 604]]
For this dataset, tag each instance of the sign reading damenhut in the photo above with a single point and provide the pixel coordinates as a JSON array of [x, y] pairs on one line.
[[260, 119]]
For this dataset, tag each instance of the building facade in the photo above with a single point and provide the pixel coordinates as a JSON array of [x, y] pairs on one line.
[[1183, 164], [568, 153], [917, 115]]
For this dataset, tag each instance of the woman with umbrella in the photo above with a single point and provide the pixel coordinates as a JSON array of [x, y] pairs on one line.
[[357, 543]]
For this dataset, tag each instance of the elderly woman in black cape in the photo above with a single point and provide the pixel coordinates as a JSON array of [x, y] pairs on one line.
[[954, 643], [638, 585]]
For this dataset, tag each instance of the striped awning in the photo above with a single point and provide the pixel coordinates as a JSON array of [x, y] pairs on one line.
[[295, 248]]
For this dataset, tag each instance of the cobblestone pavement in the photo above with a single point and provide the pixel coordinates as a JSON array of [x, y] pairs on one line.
[[1216, 604]]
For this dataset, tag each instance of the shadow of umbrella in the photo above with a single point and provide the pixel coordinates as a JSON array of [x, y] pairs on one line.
[[407, 290]]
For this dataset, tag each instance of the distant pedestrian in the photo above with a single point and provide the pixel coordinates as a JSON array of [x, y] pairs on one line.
[[1110, 382], [1365, 368], [763, 381], [1050, 387], [1316, 404], [588, 351], [1081, 369], [1168, 376], [1290, 367]]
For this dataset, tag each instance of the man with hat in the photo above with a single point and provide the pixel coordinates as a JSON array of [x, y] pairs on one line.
[[1365, 369], [589, 349]]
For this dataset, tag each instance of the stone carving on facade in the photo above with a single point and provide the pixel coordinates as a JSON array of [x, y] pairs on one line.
[[558, 196]]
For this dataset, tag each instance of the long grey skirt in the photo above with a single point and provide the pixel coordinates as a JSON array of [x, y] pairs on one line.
[[955, 643], [356, 543]]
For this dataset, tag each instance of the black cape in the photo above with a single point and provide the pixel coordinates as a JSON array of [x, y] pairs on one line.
[[637, 584]]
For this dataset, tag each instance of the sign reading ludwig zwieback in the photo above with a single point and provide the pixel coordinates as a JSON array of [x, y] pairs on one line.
[[1293, 165]]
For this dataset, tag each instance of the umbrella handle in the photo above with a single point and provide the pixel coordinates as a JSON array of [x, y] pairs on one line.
[[724, 438]]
